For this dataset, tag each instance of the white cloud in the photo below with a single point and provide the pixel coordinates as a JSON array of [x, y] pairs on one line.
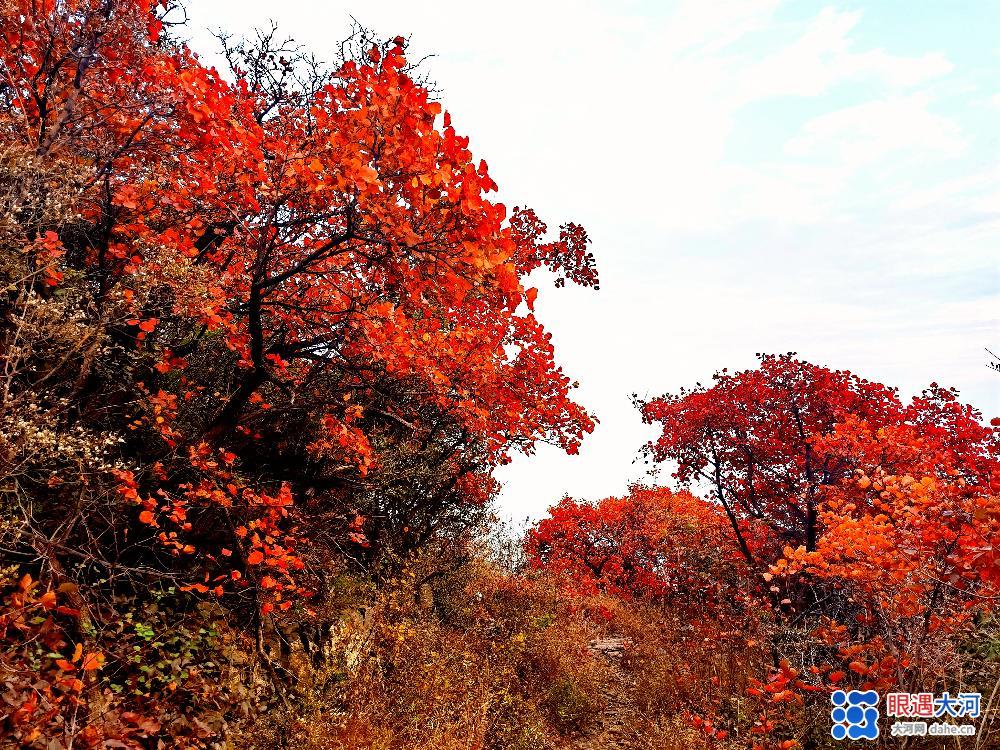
[[824, 55], [872, 131]]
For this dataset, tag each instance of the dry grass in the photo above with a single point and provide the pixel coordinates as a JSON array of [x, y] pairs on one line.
[[479, 659], [485, 661]]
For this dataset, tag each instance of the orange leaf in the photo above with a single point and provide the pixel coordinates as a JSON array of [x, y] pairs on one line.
[[93, 660], [530, 296]]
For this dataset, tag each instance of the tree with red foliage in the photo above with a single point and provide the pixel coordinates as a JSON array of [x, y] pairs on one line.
[[752, 438], [294, 296], [650, 543]]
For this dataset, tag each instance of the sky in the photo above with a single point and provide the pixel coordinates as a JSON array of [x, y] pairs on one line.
[[756, 176]]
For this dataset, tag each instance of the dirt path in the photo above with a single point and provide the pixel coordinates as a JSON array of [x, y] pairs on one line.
[[610, 730]]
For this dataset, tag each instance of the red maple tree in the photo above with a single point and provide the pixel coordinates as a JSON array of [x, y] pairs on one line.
[[295, 287], [753, 439], [650, 543]]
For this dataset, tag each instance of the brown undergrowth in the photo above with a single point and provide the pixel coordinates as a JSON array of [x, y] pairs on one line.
[[480, 658]]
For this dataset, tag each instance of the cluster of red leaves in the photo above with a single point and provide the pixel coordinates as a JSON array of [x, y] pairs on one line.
[[915, 551], [51, 695], [649, 543]]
